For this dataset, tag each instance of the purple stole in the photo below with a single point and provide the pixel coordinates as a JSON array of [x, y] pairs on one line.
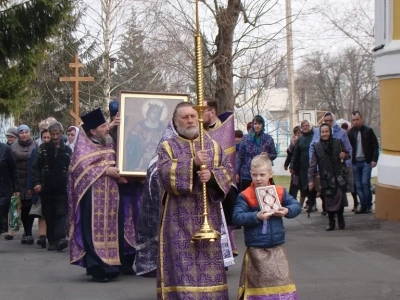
[[224, 134]]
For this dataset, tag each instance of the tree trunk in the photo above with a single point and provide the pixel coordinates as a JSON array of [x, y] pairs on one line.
[[226, 19], [106, 7]]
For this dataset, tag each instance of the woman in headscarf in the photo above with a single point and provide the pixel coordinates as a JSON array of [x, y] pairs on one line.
[[72, 136], [300, 163], [22, 149], [253, 144], [328, 159]]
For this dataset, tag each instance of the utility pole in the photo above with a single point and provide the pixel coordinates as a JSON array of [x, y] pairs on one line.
[[290, 70]]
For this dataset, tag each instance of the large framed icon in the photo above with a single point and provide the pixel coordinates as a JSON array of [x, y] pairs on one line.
[[144, 117]]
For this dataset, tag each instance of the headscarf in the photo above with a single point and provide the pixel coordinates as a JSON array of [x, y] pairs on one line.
[[72, 145], [12, 131], [256, 138], [334, 123], [23, 127], [326, 144]]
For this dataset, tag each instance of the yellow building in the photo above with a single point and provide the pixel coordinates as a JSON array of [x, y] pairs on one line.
[[387, 68]]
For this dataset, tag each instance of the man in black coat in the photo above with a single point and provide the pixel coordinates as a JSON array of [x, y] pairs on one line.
[[50, 178], [9, 183], [365, 157]]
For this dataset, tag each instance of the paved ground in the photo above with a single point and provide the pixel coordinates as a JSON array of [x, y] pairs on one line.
[[361, 262]]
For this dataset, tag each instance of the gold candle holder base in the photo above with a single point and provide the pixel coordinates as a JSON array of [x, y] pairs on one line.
[[206, 232]]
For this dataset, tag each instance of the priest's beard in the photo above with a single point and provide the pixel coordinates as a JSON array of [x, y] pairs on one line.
[[190, 132], [104, 139]]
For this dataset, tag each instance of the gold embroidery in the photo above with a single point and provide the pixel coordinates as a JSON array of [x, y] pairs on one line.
[[161, 249], [98, 213], [103, 163], [168, 149], [99, 191], [194, 289], [100, 152], [113, 191], [174, 165], [216, 153], [112, 213], [191, 175], [230, 150], [271, 290], [111, 235], [99, 236]]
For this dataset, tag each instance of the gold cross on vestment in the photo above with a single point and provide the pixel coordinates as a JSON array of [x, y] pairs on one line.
[[113, 191], [99, 236], [112, 213], [99, 191], [199, 215], [98, 213], [76, 79], [111, 235]]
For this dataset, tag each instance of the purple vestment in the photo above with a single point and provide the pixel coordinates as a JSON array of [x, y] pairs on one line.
[[87, 172], [224, 134], [190, 270]]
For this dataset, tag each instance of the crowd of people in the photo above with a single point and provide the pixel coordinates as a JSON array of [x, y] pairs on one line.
[[330, 161], [112, 223]]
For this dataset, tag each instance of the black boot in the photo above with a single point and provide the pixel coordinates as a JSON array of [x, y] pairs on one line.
[[42, 241], [331, 225]]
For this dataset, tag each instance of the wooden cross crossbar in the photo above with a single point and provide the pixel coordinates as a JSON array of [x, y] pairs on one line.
[[76, 79]]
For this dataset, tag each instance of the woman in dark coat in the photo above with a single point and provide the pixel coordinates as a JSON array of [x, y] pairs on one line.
[[294, 179], [9, 184], [22, 149], [300, 161], [328, 160]]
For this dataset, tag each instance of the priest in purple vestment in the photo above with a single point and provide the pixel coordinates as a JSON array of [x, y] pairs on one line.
[[190, 270], [93, 201]]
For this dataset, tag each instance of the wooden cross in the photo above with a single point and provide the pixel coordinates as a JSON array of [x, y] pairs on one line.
[[76, 79]]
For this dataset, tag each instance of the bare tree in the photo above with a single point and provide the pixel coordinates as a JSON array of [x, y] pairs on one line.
[[354, 21], [105, 26], [341, 83], [236, 34]]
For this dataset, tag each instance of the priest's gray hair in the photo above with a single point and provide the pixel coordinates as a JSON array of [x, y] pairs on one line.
[[182, 104]]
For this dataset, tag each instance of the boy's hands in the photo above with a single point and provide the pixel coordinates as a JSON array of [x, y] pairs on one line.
[[283, 211], [263, 215]]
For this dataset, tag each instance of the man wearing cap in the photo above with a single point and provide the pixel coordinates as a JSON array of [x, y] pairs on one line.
[[115, 119], [93, 200], [11, 135], [49, 178]]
